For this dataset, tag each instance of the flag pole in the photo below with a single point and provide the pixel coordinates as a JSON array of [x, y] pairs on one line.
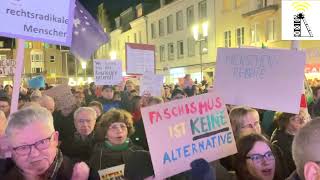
[[17, 76]]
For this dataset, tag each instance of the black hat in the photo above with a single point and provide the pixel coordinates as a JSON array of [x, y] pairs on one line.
[[107, 86]]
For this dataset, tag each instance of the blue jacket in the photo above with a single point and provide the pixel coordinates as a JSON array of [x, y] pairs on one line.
[[108, 104]]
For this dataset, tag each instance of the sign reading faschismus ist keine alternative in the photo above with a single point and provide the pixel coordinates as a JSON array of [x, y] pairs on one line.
[[181, 131]]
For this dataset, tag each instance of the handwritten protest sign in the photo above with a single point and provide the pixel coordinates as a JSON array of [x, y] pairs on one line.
[[261, 78], [181, 131], [27, 19], [107, 72], [114, 173], [62, 96], [151, 84], [7, 67], [37, 82], [140, 58]]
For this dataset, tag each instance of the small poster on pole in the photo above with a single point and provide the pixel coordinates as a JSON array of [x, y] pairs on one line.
[[107, 72], [151, 84], [140, 58]]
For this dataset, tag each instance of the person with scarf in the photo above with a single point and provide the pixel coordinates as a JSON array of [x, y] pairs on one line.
[[116, 126], [34, 147]]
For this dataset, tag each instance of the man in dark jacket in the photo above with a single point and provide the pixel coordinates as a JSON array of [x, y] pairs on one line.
[[79, 146], [35, 150]]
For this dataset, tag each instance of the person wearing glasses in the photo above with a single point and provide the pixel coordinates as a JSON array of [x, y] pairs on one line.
[[256, 159], [116, 126], [244, 121], [79, 146], [34, 147], [305, 152], [289, 124]]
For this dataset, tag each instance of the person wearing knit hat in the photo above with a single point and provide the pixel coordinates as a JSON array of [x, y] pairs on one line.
[[107, 100], [201, 170]]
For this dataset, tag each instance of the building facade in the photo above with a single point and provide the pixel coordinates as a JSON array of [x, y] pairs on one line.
[[230, 24], [171, 29], [39, 59], [130, 27]]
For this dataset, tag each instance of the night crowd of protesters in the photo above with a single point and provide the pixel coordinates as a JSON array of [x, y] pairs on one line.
[[105, 129]]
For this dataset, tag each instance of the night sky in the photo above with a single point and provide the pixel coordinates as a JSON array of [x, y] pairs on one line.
[[114, 7]]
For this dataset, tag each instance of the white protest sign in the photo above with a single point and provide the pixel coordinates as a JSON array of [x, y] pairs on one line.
[[7, 67], [140, 58], [107, 72], [150, 84], [112, 173], [47, 21], [261, 78]]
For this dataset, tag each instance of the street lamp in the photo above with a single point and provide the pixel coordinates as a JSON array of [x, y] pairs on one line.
[[113, 55], [201, 37], [84, 67]]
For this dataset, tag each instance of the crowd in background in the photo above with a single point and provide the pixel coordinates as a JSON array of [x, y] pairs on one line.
[[105, 129]]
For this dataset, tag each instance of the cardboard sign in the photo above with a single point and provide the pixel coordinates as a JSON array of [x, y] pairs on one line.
[[107, 72], [261, 78], [140, 58], [114, 173], [33, 20], [7, 67], [62, 96], [181, 131], [37, 82], [151, 85]]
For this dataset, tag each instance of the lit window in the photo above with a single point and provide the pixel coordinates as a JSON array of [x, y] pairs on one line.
[[180, 49]]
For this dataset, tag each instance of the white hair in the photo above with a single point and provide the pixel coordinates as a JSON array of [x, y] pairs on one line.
[[89, 110], [27, 116], [305, 145]]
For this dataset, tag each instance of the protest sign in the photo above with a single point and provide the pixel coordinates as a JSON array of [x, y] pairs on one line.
[[151, 84], [181, 131], [62, 96], [140, 58], [49, 22], [113, 173], [261, 78], [7, 67], [37, 82], [107, 72]]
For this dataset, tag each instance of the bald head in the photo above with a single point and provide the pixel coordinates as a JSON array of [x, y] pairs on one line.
[[305, 148], [47, 102]]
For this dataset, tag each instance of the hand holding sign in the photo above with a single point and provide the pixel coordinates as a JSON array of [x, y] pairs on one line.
[[181, 131]]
